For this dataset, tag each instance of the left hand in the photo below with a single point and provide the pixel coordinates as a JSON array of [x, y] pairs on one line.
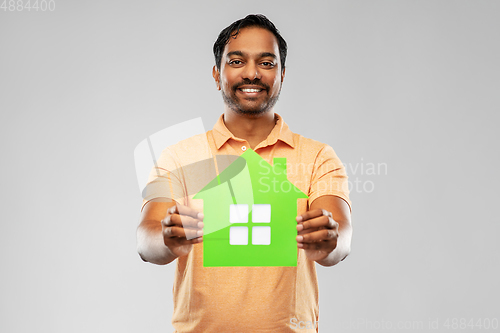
[[317, 233]]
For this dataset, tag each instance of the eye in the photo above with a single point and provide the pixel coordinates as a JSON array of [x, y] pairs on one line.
[[268, 64], [235, 62]]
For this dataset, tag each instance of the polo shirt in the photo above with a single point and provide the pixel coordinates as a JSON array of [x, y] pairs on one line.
[[245, 299]]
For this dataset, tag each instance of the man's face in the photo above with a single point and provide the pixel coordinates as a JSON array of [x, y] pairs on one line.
[[250, 75]]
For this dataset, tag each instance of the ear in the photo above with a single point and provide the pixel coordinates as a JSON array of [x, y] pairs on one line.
[[282, 75], [216, 75]]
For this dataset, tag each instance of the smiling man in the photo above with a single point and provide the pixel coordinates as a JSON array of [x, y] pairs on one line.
[[249, 71], [249, 74], [252, 80]]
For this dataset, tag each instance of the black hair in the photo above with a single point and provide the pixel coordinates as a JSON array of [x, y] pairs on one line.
[[252, 20]]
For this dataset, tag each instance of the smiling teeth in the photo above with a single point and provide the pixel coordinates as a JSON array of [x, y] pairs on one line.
[[250, 90]]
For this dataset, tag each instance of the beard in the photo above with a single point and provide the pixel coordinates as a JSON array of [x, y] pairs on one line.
[[235, 103]]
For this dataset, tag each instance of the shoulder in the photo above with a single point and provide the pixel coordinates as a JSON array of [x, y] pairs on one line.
[[311, 147]]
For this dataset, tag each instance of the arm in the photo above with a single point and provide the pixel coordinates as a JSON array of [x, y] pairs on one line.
[[325, 231], [167, 231], [150, 245]]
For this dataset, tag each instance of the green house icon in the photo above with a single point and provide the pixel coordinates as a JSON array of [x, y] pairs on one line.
[[250, 211]]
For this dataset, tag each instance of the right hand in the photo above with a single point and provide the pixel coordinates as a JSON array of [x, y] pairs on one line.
[[181, 228]]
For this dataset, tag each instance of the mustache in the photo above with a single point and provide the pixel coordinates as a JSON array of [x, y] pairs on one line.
[[256, 82]]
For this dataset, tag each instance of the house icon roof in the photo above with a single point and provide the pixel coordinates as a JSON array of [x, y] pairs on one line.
[[250, 211]]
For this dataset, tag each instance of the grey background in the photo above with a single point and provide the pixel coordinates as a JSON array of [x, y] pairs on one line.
[[412, 85]]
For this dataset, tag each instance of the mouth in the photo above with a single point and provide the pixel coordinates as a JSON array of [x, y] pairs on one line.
[[250, 91]]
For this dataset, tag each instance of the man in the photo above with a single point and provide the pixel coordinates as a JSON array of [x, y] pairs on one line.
[[249, 71]]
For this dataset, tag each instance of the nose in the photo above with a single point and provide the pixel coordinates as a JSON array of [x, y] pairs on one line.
[[251, 71]]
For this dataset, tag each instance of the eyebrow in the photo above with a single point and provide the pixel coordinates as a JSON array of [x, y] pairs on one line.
[[260, 55]]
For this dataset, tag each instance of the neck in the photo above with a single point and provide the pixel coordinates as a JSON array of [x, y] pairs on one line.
[[253, 129]]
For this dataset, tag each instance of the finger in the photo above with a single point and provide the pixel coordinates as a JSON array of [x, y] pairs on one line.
[[306, 231], [317, 236], [319, 246], [191, 234], [171, 232], [186, 211], [318, 222], [312, 214], [184, 241], [182, 221]]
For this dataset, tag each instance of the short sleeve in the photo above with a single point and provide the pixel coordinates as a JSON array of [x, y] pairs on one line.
[[329, 176], [165, 180]]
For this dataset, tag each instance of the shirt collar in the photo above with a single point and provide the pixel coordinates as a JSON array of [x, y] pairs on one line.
[[280, 132]]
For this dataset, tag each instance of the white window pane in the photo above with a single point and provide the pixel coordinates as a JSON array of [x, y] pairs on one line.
[[261, 235], [261, 213], [238, 236], [238, 213]]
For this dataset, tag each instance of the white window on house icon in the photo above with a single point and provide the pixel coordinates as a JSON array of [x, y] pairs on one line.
[[261, 235]]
